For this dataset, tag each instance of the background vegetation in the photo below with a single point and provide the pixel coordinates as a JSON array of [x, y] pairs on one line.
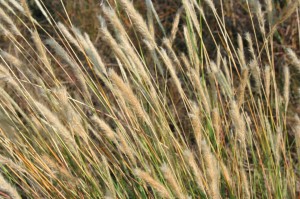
[[149, 99]]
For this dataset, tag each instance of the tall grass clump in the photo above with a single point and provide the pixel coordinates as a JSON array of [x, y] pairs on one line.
[[195, 108]]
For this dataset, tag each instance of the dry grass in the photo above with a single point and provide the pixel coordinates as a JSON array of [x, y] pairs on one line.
[[135, 108]]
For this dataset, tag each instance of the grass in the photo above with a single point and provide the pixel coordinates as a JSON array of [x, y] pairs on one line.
[[203, 106]]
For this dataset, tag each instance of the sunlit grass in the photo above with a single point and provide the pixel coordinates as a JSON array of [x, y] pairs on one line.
[[158, 120]]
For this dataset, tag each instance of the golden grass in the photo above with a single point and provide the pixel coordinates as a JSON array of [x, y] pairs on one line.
[[140, 111]]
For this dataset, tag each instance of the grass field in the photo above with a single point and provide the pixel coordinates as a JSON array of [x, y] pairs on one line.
[[149, 99]]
